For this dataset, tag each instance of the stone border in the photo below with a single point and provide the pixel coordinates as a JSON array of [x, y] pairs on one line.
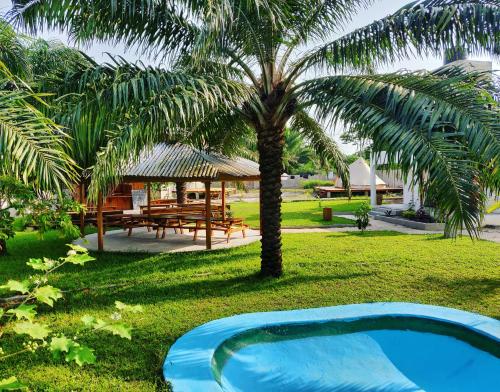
[[409, 223], [188, 365]]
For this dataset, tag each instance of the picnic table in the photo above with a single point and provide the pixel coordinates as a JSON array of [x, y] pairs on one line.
[[181, 221]]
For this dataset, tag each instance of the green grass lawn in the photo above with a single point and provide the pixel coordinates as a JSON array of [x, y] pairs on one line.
[[182, 291], [301, 213]]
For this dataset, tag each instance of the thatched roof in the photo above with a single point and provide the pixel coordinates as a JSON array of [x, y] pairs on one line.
[[178, 162]]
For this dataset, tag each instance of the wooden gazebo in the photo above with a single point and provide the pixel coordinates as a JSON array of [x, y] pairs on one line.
[[181, 163]]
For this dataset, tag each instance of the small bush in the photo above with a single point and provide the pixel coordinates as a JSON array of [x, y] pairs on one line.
[[311, 184], [362, 216], [409, 214]]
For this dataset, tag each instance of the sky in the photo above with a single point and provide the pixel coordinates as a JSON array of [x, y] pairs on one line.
[[377, 11]]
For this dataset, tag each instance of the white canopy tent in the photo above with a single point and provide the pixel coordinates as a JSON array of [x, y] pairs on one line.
[[360, 176]]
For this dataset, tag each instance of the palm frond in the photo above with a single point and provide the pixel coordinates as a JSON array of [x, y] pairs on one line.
[[148, 24], [12, 50], [132, 107], [430, 127], [318, 19], [324, 146], [422, 28], [31, 145]]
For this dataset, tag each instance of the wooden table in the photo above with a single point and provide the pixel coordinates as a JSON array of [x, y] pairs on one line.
[[179, 221]]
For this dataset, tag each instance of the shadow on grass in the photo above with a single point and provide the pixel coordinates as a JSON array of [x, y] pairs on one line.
[[152, 292]]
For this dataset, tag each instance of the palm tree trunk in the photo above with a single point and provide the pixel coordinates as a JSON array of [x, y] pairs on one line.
[[181, 193], [270, 145]]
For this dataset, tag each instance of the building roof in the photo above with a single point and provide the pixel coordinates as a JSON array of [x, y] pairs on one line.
[[178, 162]]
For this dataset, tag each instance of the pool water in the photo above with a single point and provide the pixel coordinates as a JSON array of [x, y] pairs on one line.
[[375, 347], [326, 357], [383, 360]]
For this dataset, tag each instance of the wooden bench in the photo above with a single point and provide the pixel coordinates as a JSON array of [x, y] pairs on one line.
[[228, 226], [111, 218], [131, 222]]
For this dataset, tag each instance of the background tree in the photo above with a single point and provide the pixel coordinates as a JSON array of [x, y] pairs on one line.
[[266, 46]]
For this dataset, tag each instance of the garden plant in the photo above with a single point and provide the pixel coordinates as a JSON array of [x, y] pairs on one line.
[[18, 316]]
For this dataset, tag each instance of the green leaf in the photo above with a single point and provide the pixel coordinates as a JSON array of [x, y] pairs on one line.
[[36, 331], [100, 324], [11, 384], [59, 345], [15, 285], [119, 329], [79, 258], [1, 312], [81, 355], [47, 294], [77, 248], [88, 321], [128, 308], [24, 311], [39, 264]]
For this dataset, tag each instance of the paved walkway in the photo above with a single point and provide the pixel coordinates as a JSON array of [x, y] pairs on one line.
[[376, 225], [143, 241]]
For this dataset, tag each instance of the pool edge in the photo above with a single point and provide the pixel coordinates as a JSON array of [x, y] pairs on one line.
[[188, 365]]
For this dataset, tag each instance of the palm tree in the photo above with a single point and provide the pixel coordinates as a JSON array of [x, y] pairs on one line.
[[31, 145], [440, 126]]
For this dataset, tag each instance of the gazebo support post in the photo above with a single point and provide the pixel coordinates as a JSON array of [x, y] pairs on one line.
[[82, 212], [100, 224], [148, 187], [208, 213], [223, 188]]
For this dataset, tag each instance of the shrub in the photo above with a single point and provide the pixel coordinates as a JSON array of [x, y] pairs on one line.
[[362, 216], [409, 214], [19, 317], [41, 211], [311, 184]]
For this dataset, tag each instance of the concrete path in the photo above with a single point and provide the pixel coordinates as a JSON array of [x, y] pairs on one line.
[[376, 225], [492, 219], [143, 241]]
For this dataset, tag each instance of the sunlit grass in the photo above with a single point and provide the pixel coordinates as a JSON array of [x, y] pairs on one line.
[[301, 213]]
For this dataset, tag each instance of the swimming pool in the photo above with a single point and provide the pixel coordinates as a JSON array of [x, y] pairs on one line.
[[383, 347]]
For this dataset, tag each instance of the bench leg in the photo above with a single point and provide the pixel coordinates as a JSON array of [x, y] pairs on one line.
[[163, 235], [158, 232], [130, 231], [195, 237]]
